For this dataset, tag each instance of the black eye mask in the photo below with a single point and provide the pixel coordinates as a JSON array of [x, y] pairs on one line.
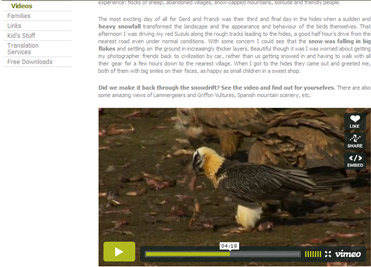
[[196, 158]]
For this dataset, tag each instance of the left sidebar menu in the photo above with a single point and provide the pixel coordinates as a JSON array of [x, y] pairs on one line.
[[37, 34]]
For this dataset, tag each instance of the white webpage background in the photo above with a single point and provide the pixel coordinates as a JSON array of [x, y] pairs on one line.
[[49, 126]]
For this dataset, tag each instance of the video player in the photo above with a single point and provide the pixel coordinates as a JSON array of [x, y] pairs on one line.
[[280, 187]]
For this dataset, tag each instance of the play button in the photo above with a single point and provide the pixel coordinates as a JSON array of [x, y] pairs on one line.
[[119, 251]]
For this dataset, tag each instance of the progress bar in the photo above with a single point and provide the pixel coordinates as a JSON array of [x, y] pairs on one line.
[[245, 254], [257, 254], [187, 254]]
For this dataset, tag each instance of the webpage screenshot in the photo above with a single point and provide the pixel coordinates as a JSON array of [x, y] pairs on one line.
[[185, 133]]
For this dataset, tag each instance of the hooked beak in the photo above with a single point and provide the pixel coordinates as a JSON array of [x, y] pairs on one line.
[[192, 174], [195, 168]]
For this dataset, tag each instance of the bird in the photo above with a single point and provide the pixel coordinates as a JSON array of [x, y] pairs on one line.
[[283, 131], [250, 184], [305, 142], [228, 125]]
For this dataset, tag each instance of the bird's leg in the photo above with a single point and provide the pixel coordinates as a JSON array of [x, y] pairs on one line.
[[281, 205]]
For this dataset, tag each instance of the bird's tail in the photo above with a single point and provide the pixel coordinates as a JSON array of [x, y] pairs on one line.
[[300, 180], [295, 179], [329, 178], [315, 180]]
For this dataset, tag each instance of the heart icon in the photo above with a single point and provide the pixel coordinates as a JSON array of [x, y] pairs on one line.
[[355, 118]]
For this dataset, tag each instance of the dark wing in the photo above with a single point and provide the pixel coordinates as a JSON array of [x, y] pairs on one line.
[[248, 183], [302, 143], [277, 119], [237, 119]]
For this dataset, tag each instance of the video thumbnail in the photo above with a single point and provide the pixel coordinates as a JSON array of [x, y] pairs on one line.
[[236, 187]]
